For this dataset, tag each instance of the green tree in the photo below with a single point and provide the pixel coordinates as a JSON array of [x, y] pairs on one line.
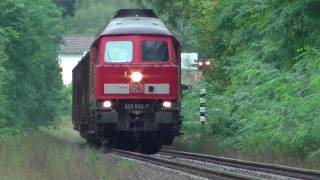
[[91, 16], [10, 22], [67, 6], [30, 34], [3, 99]]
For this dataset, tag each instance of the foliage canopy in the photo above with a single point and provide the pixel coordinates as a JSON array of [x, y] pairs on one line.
[[30, 78], [92, 15]]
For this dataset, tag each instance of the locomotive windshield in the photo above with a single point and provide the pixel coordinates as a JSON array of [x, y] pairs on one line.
[[118, 51], [155, 51]]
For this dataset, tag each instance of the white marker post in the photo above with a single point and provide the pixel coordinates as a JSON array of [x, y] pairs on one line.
[[202, 106]]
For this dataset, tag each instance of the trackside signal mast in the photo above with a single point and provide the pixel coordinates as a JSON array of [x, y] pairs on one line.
[[203, 106], [202, 65]]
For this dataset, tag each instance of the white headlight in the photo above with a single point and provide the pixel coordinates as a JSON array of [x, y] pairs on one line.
[[167, 104], [107, 104], [136, 77]]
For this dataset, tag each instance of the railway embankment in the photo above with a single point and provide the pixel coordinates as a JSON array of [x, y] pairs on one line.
[[41, 155], [60, 153], [220, 135]]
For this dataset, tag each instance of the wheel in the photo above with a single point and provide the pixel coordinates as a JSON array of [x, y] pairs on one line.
[[91, 138], [149, 147], [167, 138], [126, 143]]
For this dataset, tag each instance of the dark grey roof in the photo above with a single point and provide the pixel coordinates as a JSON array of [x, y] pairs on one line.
[[136, 25], [76, 44], [135, 12]]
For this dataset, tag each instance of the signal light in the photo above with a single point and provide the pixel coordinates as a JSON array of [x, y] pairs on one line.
[[204, 64]]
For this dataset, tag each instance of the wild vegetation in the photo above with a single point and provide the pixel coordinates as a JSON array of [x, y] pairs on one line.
[[264, 84], [30, 79], [263, 87], [32, 95], [59, 154], [91, 16]]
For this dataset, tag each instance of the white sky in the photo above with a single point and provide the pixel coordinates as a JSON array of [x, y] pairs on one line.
[[67, 63]]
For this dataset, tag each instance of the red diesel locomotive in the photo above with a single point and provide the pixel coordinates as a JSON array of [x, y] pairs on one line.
[[126, 90]]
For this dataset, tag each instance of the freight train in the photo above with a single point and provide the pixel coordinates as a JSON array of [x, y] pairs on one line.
[[126, 89]]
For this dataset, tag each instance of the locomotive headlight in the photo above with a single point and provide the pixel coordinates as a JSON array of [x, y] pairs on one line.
[[167, 104], [208, 63], [136, 76], [107, 104]]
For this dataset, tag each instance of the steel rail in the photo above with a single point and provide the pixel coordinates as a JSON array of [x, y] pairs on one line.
[[248, 165], [188, 168]]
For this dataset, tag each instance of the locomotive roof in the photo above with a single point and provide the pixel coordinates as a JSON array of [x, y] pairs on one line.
[[136, 25], [135, 12], [136, 22]]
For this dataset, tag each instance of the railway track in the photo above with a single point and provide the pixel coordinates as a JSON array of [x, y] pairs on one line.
[[185, 167], [259, 170], [213, 167]]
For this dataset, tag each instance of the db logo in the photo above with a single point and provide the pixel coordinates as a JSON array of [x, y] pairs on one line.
[[136, 88]]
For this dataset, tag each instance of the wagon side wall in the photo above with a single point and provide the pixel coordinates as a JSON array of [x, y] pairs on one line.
[[81, 93]]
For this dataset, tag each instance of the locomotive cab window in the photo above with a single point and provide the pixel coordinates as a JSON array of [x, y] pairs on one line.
[[118, 51], [155, 51]]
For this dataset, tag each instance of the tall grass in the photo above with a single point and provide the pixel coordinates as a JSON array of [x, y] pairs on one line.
[[39, 155], [201, 143]]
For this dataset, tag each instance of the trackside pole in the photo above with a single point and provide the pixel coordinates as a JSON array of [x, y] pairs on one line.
[[202, 106], [203, 64]]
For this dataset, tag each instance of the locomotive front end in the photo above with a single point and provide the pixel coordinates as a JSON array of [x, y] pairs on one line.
[[138, 85], [127, 88]]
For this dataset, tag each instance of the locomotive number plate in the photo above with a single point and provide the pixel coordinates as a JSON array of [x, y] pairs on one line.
[[137, 106], [136, 88]]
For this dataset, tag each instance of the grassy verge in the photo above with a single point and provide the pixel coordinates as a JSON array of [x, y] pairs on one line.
[[42, 155], [199, 143], [229, 133]]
